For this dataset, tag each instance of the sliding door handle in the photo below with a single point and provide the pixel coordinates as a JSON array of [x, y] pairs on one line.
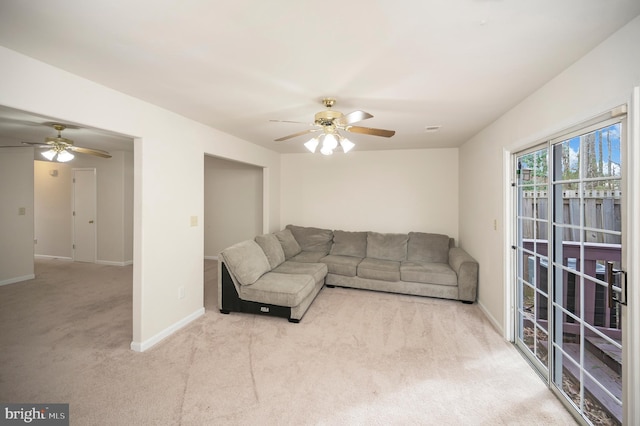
[[616, 294]]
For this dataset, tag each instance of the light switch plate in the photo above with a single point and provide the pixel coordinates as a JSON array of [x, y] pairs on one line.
[[194, 220]]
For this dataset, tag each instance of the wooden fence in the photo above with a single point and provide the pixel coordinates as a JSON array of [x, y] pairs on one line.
[[601, 212]]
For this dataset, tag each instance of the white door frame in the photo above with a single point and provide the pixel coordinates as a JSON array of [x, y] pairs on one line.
[[631, 313]]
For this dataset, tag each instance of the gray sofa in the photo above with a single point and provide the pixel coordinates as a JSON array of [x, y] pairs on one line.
[[281, 273]]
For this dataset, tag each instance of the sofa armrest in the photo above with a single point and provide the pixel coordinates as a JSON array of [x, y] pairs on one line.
[[466, 268]]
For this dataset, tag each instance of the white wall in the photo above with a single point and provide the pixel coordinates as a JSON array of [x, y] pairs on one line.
[[16, 230], [383, 191], [52, 209], [168, 252], [601, 80], [232, 203], [127, 227]]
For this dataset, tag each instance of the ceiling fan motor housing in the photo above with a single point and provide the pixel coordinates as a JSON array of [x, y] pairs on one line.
[[326, 118], [59, 140]]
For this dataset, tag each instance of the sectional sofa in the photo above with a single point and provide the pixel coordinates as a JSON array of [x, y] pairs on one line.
[[281, 273]]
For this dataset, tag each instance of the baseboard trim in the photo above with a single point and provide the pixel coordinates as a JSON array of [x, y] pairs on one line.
[[46, 256], [17, 279], [491, 319], [143, 346], [111, 263]]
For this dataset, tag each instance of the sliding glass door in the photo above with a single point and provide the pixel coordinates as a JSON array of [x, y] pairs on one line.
[[569, 278]]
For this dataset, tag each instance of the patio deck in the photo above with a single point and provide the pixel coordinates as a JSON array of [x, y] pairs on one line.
[[601, 371]]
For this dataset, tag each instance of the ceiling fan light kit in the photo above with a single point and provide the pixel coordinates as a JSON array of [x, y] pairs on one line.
[[311, 145], [63, 155], [59, 148], [331, 122]]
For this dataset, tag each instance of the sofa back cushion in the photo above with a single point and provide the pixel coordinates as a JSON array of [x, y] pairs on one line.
[[387, 246], [425, 247], [349, 244], [312, 239], [289, 244], [271, 248], [246, 261]]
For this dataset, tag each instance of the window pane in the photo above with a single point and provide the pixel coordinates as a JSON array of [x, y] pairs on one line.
[[567, 156], [602, 152]]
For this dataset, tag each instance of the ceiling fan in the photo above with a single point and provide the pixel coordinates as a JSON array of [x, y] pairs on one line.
[[330, 123], [61, 147]]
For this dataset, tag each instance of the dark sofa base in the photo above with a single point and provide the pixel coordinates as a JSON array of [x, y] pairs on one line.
[[231, 302]]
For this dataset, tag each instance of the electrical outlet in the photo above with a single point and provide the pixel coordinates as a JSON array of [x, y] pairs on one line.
[[22, 211], [181, 292], [495, 224]]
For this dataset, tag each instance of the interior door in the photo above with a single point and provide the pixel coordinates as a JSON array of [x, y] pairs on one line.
[[84, 215], [569, 250]]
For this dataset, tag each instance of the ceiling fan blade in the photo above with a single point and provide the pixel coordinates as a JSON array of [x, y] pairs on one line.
[[304, 132], [96, 152], [289, 121], [37, 144], [353, 117], [370, 131]]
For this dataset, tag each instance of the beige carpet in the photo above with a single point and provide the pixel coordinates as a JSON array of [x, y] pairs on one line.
[[357, 357]]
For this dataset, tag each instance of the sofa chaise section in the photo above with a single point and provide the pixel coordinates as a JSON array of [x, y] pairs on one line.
[[255, 277]]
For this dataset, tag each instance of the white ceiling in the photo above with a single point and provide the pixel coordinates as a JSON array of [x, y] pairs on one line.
[[235, 65], [19, 126]]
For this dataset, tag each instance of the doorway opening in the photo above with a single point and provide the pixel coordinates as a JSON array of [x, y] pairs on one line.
[[233, 212]]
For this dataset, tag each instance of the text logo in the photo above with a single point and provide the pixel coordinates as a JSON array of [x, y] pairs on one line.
[[34, 414]]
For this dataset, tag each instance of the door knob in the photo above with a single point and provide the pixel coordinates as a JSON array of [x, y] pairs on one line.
[[90, 221]]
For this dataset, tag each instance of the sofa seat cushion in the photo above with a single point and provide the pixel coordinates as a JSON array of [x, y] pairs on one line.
[[378, 269], [349, 244], [429, 273], [312, 239], [342, 265], [246, 261], [387, 246], [423, 247], [317, 270], [272, 248], [279, 289], [308, 257]]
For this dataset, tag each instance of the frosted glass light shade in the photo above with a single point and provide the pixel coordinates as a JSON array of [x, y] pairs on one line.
[[311, 145], [346, 145], [330, 141], [325, 150], [64, 156], [49, 154]]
